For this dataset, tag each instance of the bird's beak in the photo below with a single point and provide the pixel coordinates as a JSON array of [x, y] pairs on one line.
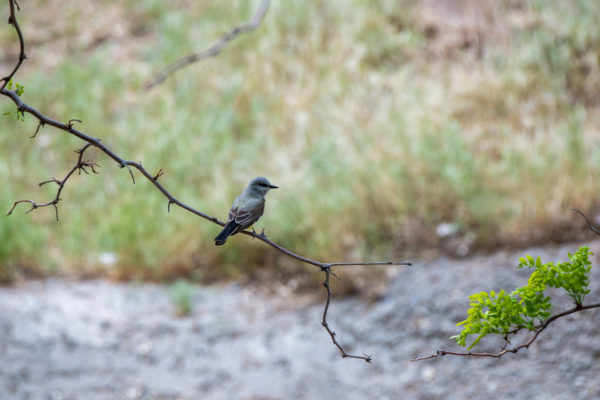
[[274, 187]]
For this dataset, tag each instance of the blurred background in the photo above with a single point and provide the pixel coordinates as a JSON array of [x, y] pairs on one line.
[[424, 130], [392, 127]]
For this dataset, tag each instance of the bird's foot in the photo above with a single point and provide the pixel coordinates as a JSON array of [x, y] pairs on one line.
[[262, 234]]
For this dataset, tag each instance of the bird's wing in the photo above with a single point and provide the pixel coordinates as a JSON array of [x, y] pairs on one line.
[[234, 210], [249, 213]]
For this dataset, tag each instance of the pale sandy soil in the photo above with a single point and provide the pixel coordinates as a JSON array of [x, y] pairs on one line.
[[62, 339]]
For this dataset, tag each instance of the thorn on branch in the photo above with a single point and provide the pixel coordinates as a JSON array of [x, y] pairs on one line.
[[158, 174], [86, 164], [131, 173], [53, 180], [70, 123], [169, 206], [93, 167], [40, 125], [56, 210]]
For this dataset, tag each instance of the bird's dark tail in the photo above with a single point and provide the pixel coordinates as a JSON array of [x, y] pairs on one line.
[[225, 233]]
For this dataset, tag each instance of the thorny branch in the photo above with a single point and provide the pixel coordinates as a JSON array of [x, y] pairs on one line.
[[81, 165], [122, 163], [215, 49], [536, 332]]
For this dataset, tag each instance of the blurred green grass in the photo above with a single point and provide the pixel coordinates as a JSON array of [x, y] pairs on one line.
[[373, 135]]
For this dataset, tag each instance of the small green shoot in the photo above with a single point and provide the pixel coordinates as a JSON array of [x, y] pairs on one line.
[[19, 87], [19, 90]]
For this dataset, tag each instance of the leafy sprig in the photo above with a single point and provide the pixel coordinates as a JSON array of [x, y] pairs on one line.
[[19, 90], [19, 87], [526, 307]]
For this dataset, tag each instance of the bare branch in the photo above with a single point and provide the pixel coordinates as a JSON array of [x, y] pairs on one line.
[[540, 329], [215, 49], [122, 163], [367, 357], [13, 21], [80, 165], [590, 225], [40, 125]]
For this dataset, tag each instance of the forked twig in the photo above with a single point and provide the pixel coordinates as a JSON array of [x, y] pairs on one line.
[[80, 165], [367, 357]]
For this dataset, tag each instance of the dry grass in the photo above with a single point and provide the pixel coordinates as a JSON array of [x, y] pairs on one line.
[[379, 120]]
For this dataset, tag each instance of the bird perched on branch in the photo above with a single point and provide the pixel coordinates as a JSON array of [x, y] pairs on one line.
[[247, 208]]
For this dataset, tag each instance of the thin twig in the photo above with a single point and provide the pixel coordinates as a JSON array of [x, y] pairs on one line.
[[95, 142], [367, 357], [80, 165], [590, 225], [540, 329], [13, 21], [215, 49], [40, 125]]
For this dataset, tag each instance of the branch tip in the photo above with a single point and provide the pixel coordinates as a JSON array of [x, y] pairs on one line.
[[131, 173], [40, 125]]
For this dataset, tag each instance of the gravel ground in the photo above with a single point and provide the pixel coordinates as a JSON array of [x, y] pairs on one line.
[[62, 339]]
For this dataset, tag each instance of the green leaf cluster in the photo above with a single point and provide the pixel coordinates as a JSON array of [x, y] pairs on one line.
[[19, 90], [526, 307], [19, 87]]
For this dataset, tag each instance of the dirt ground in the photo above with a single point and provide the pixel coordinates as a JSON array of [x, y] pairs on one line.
[[62, 339]]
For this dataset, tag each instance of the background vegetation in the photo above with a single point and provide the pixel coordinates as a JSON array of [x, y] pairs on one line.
[[379, 120]]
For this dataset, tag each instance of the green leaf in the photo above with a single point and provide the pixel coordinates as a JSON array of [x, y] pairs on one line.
[[525, 307]]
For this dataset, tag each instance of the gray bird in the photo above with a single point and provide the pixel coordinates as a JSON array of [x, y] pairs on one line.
[[247, 208]]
